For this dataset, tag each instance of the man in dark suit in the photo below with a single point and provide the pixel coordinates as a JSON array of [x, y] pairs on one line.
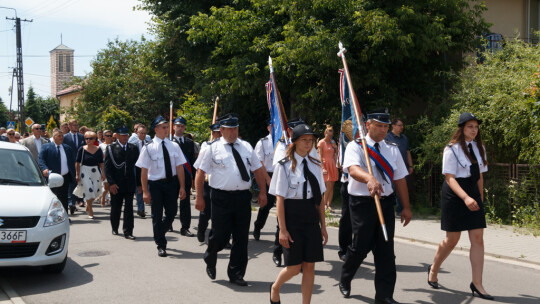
[[58, 157], [74, 140], [188, 148], [123, 179]]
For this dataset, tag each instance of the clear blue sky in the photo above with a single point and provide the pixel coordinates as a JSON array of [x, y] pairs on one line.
[[86, 26]]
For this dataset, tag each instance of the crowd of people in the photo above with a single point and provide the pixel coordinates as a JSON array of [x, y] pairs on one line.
[[297, 178]]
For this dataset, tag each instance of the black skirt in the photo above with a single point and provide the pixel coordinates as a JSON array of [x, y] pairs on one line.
[[455, 216], [302, 220]]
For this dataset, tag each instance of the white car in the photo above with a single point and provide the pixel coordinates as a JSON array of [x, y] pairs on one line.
[[34, 227]]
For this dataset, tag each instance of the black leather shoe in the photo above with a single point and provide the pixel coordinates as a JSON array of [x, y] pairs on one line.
[[211, 272], [201, 235], [481, 295], [142, 214], [186, 232], [239, 282], [228, 245], [161, 252], [72, 209], [386, 301], [277, 260], [345, 290], [114, 232], [432, 284], [256, 234], [342, 257], [129, 237]]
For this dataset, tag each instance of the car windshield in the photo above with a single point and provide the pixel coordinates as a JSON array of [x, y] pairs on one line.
[[18, 168]]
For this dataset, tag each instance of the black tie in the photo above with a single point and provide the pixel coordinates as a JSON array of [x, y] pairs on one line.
[[473, 156], [240, 163], [59, 157], [74, 139], [167, 159], [142, 144], [315, 189], [378, 168]]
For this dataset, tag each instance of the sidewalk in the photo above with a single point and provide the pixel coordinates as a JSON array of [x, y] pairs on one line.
[[499, 241]]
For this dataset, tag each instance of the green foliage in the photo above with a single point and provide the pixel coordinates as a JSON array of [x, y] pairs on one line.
[[502, 93], [33, 106], [397, 52], [113, 117], [4, 114], [122, 76], [198, 115]]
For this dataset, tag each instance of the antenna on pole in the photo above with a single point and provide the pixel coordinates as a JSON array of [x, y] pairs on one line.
[[61, 39]]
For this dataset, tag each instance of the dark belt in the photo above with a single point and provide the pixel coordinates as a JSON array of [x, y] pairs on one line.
[[229, 191], [164, 180]]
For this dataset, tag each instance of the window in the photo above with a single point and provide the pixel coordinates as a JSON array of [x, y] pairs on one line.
[[60, 63], [68, 63]]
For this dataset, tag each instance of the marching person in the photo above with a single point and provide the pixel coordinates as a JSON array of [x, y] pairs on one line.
[[74, 140], [161, 173], [34, 142], [108, 139], [124, 179], [57, 157], [89, 172], [462, 209], [188, 148], [142, 140], [367, 232], [265, 151], [228, 162], [298, 186], [327, 150], [204, 216]]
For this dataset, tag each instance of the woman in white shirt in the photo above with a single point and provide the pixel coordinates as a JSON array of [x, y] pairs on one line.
[[464, 162], [298, 185]]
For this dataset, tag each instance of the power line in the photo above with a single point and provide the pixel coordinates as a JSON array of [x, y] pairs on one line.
[[46, 56]]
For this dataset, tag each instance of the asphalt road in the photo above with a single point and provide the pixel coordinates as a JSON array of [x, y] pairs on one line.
[[103, 268]]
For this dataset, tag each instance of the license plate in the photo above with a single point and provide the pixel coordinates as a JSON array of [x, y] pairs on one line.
[[13, 236]]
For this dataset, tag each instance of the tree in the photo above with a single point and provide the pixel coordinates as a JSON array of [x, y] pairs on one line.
[[396, 51], [122, 76], [33, 107], [50, 107], [114, 118], [197, 114], [4, 115]]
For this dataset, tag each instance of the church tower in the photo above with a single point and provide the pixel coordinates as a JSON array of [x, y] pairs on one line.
[[61, 68]]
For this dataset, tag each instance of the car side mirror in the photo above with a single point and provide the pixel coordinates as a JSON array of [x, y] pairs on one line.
[[55, 180]]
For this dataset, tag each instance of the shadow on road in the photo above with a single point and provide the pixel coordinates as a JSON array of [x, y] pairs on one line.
[[31, 280]]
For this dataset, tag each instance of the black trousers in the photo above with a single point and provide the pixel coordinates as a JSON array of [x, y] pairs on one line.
[[163, 194], [117, 200], [185, 204], [345, 230], [264, 211], [231, 214], [204, 217], [368, 236], [62, 191]]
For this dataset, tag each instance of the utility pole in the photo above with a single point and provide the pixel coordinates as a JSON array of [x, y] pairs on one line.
[[20, 82]]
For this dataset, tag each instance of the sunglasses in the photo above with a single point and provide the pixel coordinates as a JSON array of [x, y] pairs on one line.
[[90, 138], [11, 134], [107, 135]]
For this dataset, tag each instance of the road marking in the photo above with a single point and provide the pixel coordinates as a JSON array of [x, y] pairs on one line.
[[12, 296]]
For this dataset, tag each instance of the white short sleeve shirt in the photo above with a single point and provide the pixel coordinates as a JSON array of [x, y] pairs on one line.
[[290, 184], [218, 162], [456, 162], [354, 155], [151, 158], [265, 152]]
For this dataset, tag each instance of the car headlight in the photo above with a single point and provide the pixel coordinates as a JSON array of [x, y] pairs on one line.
[[56, 214]]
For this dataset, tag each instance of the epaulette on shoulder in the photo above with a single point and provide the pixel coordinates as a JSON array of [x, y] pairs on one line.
[[264, 138], [283, 161], [390, 143], [213, 141]]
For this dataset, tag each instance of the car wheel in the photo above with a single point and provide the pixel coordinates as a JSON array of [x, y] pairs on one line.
[[55, 268]]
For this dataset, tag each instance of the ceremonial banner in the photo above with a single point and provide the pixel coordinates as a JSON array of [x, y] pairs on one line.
[[277, 128]]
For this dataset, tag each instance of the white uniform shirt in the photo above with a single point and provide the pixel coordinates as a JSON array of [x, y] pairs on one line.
[[151, 158], [265, 152], [218, 162], [458, 164], [281, 151], [289, 184], [354, 155], [199, 159], [64, 169]]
